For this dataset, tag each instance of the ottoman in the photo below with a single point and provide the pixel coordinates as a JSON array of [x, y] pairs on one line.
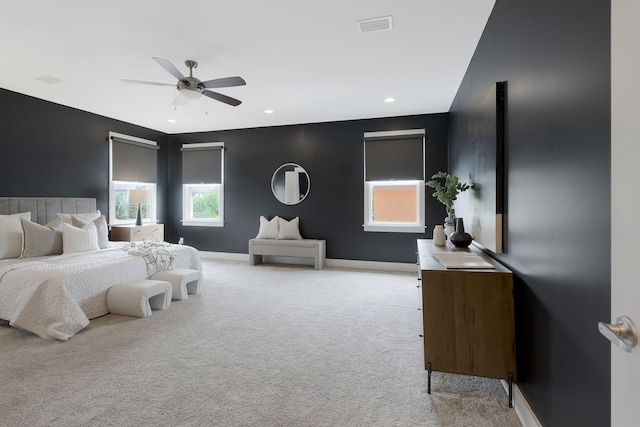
[[183, 281], [138, 297]]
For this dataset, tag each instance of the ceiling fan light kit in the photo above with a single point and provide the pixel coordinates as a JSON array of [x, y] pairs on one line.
[[191, 88]]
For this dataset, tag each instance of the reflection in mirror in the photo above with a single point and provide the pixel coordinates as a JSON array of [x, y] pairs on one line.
[[290, 184]]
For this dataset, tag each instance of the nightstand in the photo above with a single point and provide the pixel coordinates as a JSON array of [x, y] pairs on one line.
[[135, 233]]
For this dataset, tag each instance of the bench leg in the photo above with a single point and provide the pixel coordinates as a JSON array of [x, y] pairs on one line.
[[319, 261], [319, 258]]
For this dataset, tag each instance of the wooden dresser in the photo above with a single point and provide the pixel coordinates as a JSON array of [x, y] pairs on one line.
[[468, 317], [135, 233]]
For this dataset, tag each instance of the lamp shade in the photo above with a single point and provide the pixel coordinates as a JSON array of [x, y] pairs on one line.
[[139, 197]]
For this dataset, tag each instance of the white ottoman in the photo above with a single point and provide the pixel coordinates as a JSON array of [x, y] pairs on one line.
[[183, 281], [138, 297]]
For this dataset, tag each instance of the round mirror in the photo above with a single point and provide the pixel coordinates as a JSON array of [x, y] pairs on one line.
[[290, 184]]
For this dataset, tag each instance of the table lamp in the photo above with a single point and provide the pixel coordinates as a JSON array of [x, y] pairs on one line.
[[139, 197]]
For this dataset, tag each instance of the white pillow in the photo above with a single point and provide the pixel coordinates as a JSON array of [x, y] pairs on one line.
[[101, 226], [41, 240], [87, 217], [76, 239], [288, 230], [268, 229], [11, 234]]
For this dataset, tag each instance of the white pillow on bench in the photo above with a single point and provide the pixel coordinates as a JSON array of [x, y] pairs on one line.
[[268, 229], [279, 228], [289, 230]]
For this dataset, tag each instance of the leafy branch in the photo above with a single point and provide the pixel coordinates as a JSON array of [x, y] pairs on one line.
[[447, 187]]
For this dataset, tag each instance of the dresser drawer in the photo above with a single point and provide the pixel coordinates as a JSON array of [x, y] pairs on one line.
[[135, 233]]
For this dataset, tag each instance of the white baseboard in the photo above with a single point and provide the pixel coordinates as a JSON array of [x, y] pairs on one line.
[[373, 265], [521, 406], [224, 255], [336, 263]]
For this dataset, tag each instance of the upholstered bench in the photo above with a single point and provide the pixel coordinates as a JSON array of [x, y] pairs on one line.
[[138, 297], [300, 248], [183, 281]]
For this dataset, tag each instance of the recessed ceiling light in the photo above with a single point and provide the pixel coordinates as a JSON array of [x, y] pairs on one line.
[[171, 120], [389, 100], [268, 111]]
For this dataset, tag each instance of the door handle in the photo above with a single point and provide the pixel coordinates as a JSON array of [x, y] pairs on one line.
[[623, 333]]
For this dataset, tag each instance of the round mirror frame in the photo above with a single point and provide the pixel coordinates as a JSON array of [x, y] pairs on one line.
[[278, 184]]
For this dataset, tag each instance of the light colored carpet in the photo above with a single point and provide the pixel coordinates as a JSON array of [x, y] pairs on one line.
[[268, 345]]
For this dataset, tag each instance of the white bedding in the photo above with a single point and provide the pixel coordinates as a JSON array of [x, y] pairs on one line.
[[55, 296]]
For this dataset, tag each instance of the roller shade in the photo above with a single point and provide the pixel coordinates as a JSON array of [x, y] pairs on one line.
[[134, 161], [393, 157], [202, 163]]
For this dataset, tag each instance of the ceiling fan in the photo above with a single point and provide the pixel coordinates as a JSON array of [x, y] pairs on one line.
[[192, 88]]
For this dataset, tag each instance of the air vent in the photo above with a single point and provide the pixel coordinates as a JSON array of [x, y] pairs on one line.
[[48, 79], [375, 24]]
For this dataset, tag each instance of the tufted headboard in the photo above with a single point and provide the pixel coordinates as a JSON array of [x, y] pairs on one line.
[[44, 209]]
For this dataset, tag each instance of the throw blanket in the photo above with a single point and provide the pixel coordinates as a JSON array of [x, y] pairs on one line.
[[155, 253]]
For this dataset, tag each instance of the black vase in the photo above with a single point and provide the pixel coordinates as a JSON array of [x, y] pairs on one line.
[[459, 238]]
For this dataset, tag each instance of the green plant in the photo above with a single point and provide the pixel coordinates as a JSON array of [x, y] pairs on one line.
[[206, 205], [447, 187]]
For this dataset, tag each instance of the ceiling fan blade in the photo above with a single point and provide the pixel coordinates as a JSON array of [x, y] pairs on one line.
[[169, 67], [224, 82], [180, 100], [142, 82], [222, 98]]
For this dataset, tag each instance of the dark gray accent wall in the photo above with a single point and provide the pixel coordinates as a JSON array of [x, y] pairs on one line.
[[555, 57], [49, 150], [332, 155]]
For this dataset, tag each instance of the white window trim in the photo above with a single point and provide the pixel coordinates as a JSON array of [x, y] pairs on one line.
[[204, 222], [395, 133], [201, 222], [130, 138], [391, 227], [419, 227], [112, 183]]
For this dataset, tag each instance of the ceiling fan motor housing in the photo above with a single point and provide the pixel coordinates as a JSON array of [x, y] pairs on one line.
[[190, 85]]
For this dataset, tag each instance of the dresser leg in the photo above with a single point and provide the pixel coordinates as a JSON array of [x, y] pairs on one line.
[[429, 378], [510, 390]]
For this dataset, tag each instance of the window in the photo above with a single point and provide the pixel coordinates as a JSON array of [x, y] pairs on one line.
[[394, 181], [133, 166], [202, 184], [202, 204], [126, 212]]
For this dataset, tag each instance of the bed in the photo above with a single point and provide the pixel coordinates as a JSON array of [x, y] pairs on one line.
[[55, 296]]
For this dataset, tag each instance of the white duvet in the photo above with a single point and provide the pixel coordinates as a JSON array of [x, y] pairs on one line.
[[54, 297]]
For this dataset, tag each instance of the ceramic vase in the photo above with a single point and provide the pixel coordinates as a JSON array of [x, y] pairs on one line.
[[459, 238], [450, 223], [438, 236]]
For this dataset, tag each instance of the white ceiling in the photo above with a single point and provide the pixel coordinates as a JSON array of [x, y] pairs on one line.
[[307, 61]]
